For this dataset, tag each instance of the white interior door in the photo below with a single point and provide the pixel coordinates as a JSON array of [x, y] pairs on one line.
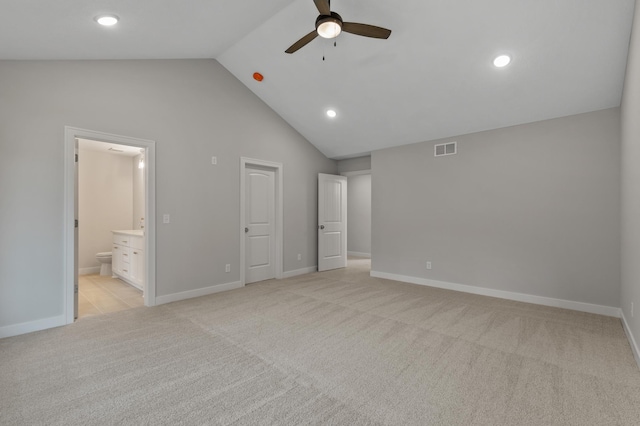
[[260, 245], [332, 222]]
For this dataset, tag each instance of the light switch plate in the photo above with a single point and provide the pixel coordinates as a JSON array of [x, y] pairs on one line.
[[166, 218]]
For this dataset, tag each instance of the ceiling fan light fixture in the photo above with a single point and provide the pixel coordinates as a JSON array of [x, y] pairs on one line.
[[329, 27]]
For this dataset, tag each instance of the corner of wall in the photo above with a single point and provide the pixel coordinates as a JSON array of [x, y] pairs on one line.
[[632, 340], [630, 189]]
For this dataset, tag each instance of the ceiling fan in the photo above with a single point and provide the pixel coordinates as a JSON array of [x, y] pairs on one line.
[[329, 25]]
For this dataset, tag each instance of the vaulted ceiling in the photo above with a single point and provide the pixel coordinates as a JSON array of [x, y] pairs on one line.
[[433, 78]]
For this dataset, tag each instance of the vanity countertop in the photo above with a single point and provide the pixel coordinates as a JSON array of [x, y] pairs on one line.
[[134, 232]]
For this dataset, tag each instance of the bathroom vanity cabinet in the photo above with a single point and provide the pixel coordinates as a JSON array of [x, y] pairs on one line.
[[128, 257]]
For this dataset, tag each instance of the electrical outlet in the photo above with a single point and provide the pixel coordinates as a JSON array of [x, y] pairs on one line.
[[166, 218], [299, 256], [214, 160], [227, 268], [428, 265]]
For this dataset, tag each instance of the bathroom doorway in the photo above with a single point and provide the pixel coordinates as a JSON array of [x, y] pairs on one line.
[[110, 200], [109, 223]]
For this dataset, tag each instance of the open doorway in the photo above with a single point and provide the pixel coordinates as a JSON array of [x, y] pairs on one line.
[[109, 216], [111, 225], [359, 218]]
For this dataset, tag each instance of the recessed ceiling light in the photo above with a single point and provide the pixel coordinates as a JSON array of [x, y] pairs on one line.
[[107, 20], [331, 113], [502, 61]]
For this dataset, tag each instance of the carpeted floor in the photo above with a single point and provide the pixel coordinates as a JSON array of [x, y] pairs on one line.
[[337, 348]]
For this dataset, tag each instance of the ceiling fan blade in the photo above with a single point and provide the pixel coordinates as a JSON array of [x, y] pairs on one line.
[[302, 42], [366, 30], [323, 7]]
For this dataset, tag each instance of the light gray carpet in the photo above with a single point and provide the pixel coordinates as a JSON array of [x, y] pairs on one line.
[[335, 348]]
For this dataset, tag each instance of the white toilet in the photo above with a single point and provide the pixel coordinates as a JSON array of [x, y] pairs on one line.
[[105, 262]]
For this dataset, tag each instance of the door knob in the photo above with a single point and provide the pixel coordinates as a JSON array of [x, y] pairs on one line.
[[321, 226], [246, 230]]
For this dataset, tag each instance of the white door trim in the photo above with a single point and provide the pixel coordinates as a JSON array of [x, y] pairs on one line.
[[70, 134], [277, 167]]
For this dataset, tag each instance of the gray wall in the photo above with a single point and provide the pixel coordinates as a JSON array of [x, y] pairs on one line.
[[359, 214], [105, 202], [533, 209], [193, 109], [354, 164], [631, 184]]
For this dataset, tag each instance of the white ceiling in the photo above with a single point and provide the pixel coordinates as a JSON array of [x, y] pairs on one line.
[[433, 78], [148, 29]]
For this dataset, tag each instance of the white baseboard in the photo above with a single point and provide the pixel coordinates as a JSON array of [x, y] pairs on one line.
[[632, 340], [160, 300], [297, 272], [609, 311], [28, 327], [89, 271], [358, 254]]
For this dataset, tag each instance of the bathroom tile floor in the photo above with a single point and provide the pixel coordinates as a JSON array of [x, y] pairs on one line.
[[99, 295]]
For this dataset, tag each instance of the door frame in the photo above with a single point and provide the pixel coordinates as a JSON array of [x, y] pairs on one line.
[[348, 175], [245, 163], [70, 201]]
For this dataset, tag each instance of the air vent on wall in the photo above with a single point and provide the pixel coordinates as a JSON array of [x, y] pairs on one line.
[[448, 148]]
